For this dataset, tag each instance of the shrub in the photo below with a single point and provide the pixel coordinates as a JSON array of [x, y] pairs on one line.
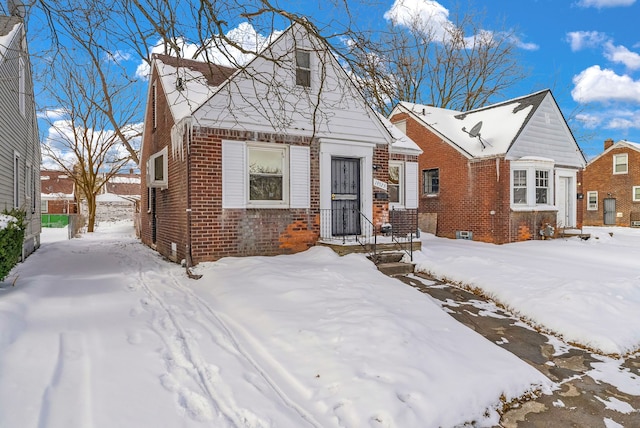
[[11, 239]]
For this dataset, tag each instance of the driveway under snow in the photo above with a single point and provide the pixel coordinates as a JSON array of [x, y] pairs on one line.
[[101, 332]]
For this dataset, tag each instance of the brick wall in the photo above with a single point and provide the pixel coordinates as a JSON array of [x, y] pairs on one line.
[[380, 204], [598, 176], [473, 194]]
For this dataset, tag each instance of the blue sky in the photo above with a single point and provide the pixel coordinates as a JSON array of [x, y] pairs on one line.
[[586, 51]]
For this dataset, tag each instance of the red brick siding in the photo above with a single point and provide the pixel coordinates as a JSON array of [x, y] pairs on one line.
[[381, 172], [473, 194], [598, 176]]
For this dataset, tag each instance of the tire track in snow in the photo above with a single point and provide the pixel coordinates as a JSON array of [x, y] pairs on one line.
[[219, 319]]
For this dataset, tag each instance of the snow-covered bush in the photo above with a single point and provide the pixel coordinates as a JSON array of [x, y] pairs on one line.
[[11, 238]]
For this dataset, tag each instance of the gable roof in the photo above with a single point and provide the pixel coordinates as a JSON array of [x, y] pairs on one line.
[[401, 142], [247, 98], [188, 83], [9, 26], [500, 124], [617, 145]]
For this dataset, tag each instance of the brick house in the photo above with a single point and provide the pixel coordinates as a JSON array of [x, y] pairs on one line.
[[611, 183], [267, 159], [58, 193], [502, 173]]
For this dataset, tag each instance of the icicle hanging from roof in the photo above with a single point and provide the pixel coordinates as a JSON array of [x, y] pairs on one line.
[[177, 133]]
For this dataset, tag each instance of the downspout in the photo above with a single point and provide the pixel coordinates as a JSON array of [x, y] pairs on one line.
[[188, 255]]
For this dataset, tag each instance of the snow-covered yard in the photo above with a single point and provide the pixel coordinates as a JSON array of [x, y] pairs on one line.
[[100, 331], [588, 292]]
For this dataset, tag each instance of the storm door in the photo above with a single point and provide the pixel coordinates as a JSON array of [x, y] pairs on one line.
[[565, 203], [345, 196], [609, 211]]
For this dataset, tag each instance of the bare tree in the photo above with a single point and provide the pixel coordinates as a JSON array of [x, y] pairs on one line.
[[80, 141], [456, 65]]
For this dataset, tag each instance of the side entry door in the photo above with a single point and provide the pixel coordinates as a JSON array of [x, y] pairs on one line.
[[345, 196], [609, 211]]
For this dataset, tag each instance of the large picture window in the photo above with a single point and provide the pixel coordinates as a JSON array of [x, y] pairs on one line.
[[267, 174], [431, 181]]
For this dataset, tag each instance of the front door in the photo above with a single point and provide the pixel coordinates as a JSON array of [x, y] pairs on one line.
[[565, 203], [345, 196], [609, 211]]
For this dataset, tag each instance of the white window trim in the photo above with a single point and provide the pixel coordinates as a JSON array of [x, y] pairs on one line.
[[284, 203], [401, 185], [589, 206], [531, 166], [298, 67], [425, 193], [151, 182], [44, 206], [22, 87], [16, 179], [626, 163], [633, 193]]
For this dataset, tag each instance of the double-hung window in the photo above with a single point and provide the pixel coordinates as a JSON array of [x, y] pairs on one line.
[[592, 201], [620, 163], [431, 181], [520, 187], [542, 186], [395, 185], [636, 193], [303, 68]]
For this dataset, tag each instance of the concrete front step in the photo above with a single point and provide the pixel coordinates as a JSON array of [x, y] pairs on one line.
[[396, 268]]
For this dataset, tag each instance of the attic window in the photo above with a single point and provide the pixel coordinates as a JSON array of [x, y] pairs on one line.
[[303, 68]]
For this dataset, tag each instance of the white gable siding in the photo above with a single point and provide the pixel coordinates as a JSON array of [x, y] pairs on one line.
[[546, 135], [233, 174], [265, 98], [299, 173], [411, 185]]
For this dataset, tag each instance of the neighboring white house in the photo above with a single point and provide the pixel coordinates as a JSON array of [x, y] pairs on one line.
[[19, 140]]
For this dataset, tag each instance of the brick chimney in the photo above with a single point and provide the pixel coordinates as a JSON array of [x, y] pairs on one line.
[[608, 143]]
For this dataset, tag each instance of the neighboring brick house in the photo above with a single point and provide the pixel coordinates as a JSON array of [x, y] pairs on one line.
[[502, 173], [267, 159], [119, 198], [19, 140], [611, 183], [58, 193]]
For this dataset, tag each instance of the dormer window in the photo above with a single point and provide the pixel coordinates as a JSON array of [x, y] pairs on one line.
[[303, 68]]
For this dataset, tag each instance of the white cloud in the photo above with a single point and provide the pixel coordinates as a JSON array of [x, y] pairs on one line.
[[52, 114], [219, 51], [432, 18], [622, 55], [604, 85], [118, 56], [431, 14], [616, 119], [605, 3], [585, 39]]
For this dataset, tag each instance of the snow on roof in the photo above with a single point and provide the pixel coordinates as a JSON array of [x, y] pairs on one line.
[[111, 197], [188, 84], [401, 142], [9, 26], [124, 180], [499, 125]]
